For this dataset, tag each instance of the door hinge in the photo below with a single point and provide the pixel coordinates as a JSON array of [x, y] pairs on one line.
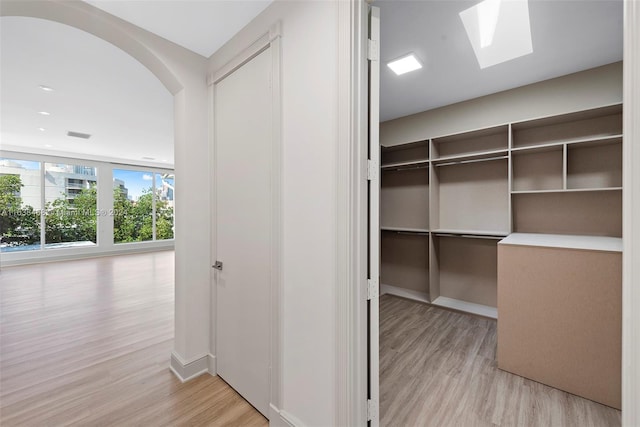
[[372, 289], [371, 412], [372, 170], [372, 50]]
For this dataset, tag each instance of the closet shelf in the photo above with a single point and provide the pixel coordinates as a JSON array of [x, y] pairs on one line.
[[549, 145], [472, 157], [568, 190]]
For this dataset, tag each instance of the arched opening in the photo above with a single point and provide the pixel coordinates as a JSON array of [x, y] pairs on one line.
[[182, 74]]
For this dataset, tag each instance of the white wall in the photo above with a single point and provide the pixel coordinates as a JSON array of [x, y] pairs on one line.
[[309, 143], [580, 91], [184, 74]]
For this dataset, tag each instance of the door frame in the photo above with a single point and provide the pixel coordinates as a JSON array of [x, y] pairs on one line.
[[352, 216], [351, 320], [272, 41]]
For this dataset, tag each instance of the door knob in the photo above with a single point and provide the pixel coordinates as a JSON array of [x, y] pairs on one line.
[[217, 265]]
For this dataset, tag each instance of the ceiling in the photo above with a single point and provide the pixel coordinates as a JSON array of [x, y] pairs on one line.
[[98, 89], [202, 26], [567, 36], [102, 91]]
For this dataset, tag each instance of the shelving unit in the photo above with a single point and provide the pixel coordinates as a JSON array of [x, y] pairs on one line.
[[447, 200]]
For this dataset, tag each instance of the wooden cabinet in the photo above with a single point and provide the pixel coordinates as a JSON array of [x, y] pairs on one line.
[[559, 300]]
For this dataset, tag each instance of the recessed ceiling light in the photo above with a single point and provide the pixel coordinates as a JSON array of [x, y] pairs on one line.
[[44, 113], [405, 64], [41, 129], [46, 88]]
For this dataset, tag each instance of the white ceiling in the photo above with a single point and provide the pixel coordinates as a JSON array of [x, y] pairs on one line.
[[103, 91], [99, 89], [202, 26], [567, 36]]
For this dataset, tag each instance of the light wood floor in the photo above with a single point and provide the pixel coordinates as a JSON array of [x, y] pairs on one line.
[[88, 343], [437, 368]]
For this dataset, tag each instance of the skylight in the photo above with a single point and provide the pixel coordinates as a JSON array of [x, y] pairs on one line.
[[405, 64], [499, 30]]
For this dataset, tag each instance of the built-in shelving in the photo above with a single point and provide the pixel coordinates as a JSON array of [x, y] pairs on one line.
[[447, 200]]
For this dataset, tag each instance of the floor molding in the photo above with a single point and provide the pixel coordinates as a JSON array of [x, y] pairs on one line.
[[279, 418], [188, 370], [405, 293]]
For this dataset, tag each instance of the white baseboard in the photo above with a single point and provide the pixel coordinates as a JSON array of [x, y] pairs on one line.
[[188, 370], [279, 418], [467, 307], [405, 293], [9, 259]]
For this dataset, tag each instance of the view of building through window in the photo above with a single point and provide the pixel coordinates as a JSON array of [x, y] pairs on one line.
[[64, 211], [164, 205], [70, 200], [136, 196]]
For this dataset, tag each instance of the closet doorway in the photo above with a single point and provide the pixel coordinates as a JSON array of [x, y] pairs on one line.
[[476, 152]]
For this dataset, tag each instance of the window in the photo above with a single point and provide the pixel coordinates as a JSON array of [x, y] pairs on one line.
[[20, 205], [70, 205], [52, 203], [143, 205], [164, 205]]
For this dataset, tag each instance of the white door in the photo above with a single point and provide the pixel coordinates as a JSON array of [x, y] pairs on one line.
[[374, 217], [243, 144]]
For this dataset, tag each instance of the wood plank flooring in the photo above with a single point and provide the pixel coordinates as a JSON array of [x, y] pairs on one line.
[[88, 343], [438, 368]]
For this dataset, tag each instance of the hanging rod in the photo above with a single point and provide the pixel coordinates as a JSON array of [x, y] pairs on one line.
[[470, 236], [460, 162], [406, 168]]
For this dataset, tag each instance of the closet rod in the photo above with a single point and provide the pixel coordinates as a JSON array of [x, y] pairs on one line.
[[412, 233], [460, 162], [470, 236], [400, 169]]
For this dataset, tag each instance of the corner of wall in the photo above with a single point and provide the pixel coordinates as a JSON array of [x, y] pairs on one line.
[[188, 370]]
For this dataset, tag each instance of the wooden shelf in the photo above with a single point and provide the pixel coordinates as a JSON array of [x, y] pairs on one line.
[[568, 190], [579, 126], [544, 146], [413, 153], [470, 143]]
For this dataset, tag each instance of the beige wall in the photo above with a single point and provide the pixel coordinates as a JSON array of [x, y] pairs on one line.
[[586, 89]]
